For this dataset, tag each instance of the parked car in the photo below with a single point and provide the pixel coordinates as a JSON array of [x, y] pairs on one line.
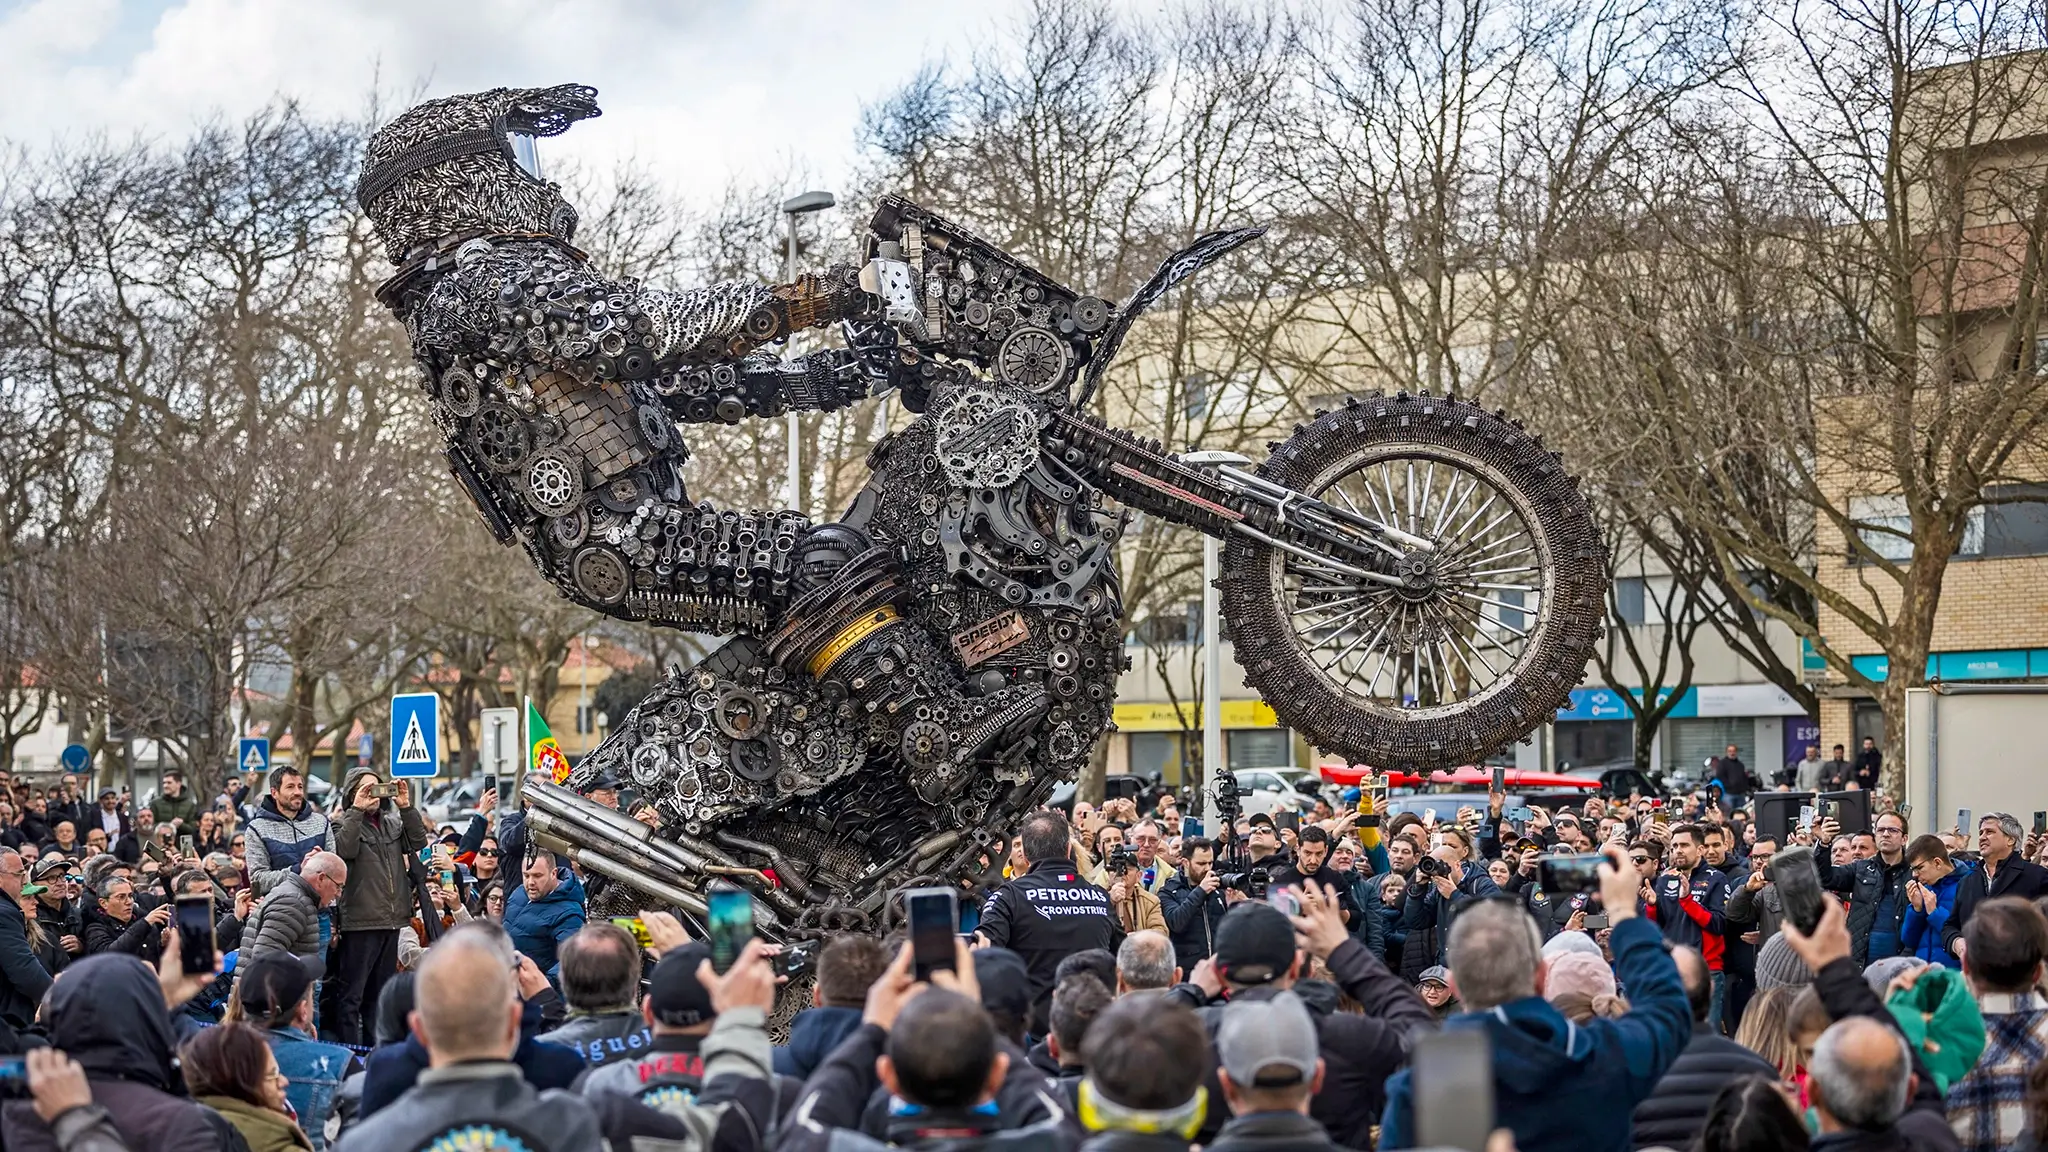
[[1276, 790], [452, 801]]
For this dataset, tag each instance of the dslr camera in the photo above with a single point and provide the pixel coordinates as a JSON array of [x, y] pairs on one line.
[[1252, 883], [1431, 867], [1120, 860]]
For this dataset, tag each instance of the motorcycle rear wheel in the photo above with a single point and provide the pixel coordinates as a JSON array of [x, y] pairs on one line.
[[1486, 646]]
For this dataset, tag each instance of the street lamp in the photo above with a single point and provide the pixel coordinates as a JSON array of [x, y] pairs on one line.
[[798, 205], [1212, 652]]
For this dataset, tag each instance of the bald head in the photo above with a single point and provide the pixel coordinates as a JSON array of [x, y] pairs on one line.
[[324, 864], [1860, 1075], [467, 1002]]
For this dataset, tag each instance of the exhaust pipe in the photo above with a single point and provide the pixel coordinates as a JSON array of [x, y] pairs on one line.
[[623, 873]]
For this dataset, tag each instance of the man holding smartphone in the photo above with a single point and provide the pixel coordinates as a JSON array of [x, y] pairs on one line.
[[374, 835]]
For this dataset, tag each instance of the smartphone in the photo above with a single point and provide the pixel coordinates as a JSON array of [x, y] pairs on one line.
[[1570, 875], [490, 783], [187, 847], [934, 915], [1806, 815], [1963, 821], [1660, 816], [637, 927], [1521, 814], [13, 1077], [2040, 823], [1190, 826], [384, 791], [1906, 810], [1291, 821], [1798, 879], [1500, 779], [729, 921], [447, 879], [1453, 1080], [796, 961], [194, 918], [1596, 921], [1287, 900]]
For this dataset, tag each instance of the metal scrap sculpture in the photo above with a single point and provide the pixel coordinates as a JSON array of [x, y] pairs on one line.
[[1410, 580]]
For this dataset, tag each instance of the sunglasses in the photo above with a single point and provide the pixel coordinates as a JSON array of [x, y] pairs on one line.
[[1639, 861], [488, 852]]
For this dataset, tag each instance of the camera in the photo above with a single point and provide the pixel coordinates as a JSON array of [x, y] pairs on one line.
[[1119, 861], [1432, 867], [1252, 883]]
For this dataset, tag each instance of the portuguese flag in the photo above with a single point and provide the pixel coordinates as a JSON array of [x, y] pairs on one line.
[[543, 755]]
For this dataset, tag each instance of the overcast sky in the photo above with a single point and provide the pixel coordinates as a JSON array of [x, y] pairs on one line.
[[700, 91]]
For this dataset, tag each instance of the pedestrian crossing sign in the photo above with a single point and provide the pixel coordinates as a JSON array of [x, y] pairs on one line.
[[415, 735], [255, 756]]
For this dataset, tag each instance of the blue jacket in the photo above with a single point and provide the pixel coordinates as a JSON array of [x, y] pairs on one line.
[[316, 1071], [1564, 1087], [537, 927], [392, 1070], [1921, 933], [1433, 911], [812, 1036]]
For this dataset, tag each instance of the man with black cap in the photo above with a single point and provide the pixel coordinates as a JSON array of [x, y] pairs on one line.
[[275, 992], [1260, 953], [1049, 911], [1271, 1072], [708, 1066]]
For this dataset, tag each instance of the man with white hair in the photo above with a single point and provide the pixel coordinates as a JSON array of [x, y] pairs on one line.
[[288, 920], [1558, 1086], [1145, 962]]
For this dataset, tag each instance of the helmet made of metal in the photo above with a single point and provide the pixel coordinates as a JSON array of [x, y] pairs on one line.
[[468, 164]]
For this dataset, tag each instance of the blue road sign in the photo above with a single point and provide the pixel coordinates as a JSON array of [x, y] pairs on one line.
[[415, 735], [366, 745], [75, 758], [254, 755]]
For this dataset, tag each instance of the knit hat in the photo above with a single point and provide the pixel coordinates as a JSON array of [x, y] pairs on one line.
[[1880, 973], [1942, 1022], [1565, 943], [1778, 966], [1580, 972]]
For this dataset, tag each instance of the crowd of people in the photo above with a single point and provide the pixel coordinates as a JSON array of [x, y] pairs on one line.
[[1118, 982]]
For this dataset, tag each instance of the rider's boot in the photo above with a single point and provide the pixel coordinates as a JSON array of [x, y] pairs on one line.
[[842, 629]]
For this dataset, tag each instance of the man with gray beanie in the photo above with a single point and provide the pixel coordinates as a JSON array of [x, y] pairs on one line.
[[1271, 1071]]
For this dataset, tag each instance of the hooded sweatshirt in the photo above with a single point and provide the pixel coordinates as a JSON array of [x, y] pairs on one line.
[[379, 894], [1564, 1087], [108, 1014]]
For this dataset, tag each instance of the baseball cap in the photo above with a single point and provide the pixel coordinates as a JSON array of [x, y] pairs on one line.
[[48, 866], [273, 982], [1005, 982], [1436, 972], [1267, 1043], [33, 889], [1258, 818], [678, 998], [1254, 943]]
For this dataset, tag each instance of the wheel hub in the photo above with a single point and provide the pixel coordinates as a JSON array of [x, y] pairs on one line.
[[1418, 577]]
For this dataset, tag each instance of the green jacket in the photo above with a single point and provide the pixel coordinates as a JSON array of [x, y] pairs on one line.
[[166, 809], [266, 1131], [379, 894]]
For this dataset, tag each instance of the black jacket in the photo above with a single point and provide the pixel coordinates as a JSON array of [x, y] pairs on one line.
[[138, 937], [1045, 916], [1359, 1052], [1133, 1142], [1273, 1132], [2016, 877], [1676, 1111], [23, 979], [1191, 919]]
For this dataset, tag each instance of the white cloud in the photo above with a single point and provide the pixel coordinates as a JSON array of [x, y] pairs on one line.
[[700, 91]]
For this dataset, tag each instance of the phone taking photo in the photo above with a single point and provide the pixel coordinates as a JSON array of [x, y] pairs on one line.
[[729, 922], [1797, 876], [934, 915], [1453, 1082], [1569, 875], [194, 918]]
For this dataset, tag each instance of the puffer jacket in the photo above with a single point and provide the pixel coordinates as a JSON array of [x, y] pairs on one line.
[[379, 894], [1676, 1110], [276, 844], [288, 920], [538, 927]]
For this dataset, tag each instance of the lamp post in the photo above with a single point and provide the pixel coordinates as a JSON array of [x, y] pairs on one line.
[[798, 205], [1212, 652]]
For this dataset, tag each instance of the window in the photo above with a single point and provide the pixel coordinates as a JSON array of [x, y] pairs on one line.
[[586, 718], [1260, 747], [1509, 617], [1165, 628], [1628, 600], [1884, 525], [1197, 395], [2017, 524]]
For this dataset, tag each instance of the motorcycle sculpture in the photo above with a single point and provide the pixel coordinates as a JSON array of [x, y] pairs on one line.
[[1410, 581]]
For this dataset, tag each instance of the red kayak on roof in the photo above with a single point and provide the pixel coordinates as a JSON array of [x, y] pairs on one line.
[[1472, 777]]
